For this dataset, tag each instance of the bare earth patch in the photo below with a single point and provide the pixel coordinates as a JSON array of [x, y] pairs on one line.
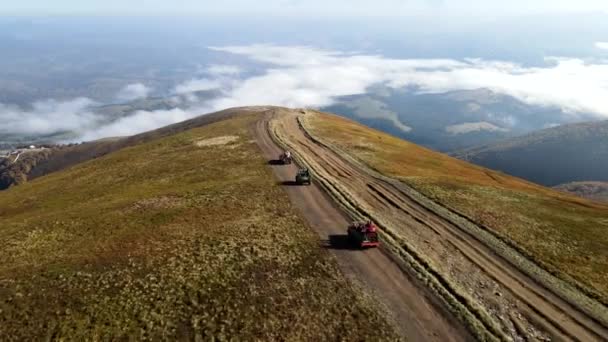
[[223, 140]]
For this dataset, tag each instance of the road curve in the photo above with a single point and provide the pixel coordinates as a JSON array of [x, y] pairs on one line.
[[414, 312], [523, 299]]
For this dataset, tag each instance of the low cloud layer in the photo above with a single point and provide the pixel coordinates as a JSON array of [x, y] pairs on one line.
[[300, 76], [223, 69], [48, 117], [469, 127], [366, 108], [305, 76], [133, 92], [140, 121], [602, 45], [195, 85]]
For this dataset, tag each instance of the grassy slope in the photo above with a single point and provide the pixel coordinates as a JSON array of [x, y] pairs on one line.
[[566, 234], [169, 239]]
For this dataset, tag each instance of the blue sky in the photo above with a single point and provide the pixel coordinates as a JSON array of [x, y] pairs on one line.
[[303, 7]]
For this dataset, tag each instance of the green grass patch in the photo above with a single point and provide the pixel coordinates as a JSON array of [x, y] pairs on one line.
[[171, 240]]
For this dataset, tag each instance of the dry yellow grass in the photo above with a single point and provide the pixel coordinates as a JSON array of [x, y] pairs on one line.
[[168, 240], [567, 235]]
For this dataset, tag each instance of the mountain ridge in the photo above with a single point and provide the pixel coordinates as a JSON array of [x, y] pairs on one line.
[[185, 191], [592, 190], [162, 240], [552, 156], [63, 156]]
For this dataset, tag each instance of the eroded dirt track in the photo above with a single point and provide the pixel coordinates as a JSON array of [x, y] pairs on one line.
[[414, 312], [522, 308]]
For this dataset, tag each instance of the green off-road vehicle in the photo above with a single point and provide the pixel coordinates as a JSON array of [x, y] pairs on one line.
[[303, 177]]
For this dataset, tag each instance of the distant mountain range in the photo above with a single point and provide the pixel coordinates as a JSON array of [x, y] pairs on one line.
[[563, 154], [445, 122], [453, 120], [592, 190]]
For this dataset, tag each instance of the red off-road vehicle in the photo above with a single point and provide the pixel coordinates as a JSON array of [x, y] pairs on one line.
[[364, 234]]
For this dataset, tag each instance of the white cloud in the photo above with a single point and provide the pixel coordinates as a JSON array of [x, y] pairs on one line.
[[469, 127], [503, 120], [197, 85], [141, 121], [550, 125], [368, 108], [601, 45], [301, 76], [298, 76], [47, 117], [305, 76], [133, 91], [221, 76], [223, 69]]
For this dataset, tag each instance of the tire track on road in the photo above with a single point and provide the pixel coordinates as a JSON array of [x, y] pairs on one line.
[[415, 312], [544, 309]]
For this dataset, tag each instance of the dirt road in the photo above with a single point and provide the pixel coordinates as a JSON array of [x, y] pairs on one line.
[[522, 308], [414, 311]]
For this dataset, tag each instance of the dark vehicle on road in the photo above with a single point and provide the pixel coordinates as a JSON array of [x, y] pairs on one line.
[[303, 177]]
